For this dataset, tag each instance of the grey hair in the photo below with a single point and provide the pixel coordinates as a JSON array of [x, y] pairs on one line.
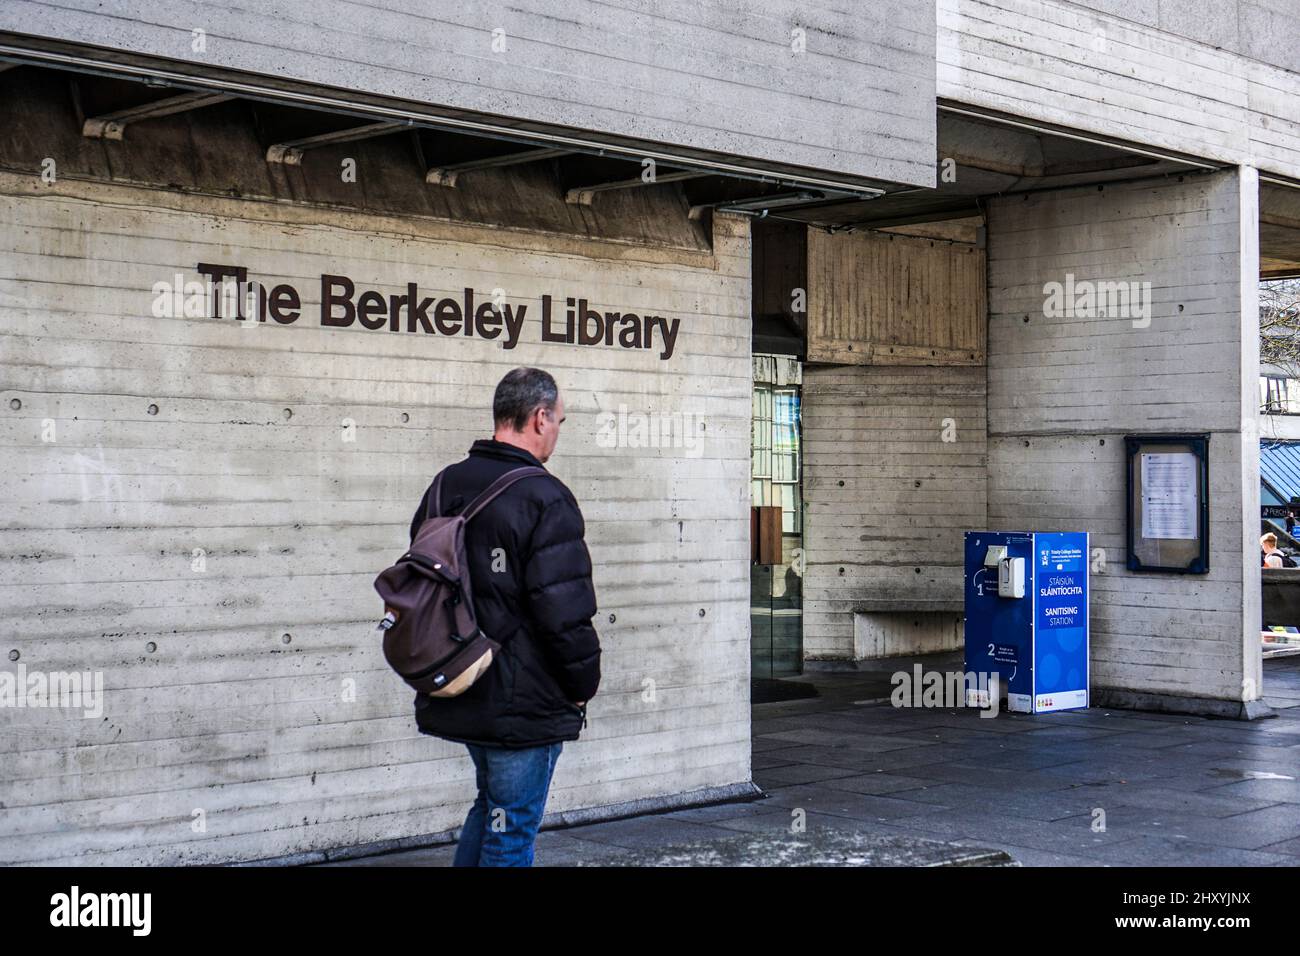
[[520, 393]]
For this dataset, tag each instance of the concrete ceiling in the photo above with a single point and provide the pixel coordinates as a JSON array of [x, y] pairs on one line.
[[979, 157], [1279, 231], [991, 158]]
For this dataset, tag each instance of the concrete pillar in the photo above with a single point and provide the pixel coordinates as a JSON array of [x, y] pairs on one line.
[[1064, 391]]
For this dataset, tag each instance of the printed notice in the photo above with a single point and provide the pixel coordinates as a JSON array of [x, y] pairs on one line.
[[1169, 495]]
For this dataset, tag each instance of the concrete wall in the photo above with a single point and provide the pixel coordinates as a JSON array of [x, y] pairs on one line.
[[1063, 392], [894, 472], [1063, 63], [1265, 30], [849, 94], [197, 507]]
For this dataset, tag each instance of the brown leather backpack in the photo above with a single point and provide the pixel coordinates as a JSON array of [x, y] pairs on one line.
[[431, 636]]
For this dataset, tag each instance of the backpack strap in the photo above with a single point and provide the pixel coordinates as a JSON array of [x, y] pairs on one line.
[[486, 497], [434, 509]]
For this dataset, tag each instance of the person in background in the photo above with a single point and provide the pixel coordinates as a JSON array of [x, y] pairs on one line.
[[1273, 557]]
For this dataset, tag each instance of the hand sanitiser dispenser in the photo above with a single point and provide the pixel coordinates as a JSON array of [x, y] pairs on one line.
[[1027, 616], [1011, 578], [1011, 571]]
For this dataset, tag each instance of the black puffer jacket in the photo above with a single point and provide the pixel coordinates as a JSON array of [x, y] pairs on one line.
[[532, 592]]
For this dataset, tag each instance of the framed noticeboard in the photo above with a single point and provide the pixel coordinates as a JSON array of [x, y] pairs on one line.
[[1168, 503]]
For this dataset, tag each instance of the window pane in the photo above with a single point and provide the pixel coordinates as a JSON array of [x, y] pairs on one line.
[[785, 436], [761, 442]]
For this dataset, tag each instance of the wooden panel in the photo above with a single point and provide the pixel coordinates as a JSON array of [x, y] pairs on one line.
[[765, 525], [881, 299]]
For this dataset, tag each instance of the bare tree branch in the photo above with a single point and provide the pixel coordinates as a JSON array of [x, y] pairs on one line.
[[1279, 327]]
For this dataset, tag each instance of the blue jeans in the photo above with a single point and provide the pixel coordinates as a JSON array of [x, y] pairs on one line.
[[512, 788]]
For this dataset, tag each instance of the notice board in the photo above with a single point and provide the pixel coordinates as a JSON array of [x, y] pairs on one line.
[[1168, 503]]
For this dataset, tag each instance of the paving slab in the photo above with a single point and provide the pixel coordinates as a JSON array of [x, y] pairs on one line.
[[1028, 856], [784, 776], [1025, 759], [720, 813], [1256, 749], [782, 820], [771, 759], [1205, 803], [1040, 805], [1283, 789], [862, 740], [1168, 851], [878, 782], [648, 830], [992, 778], [845, 803], [819, 847], [990, 828], [1286, 847], [761, 745], [1251, 830]]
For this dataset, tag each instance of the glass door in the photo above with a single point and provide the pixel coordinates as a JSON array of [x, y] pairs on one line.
[[776, 578]]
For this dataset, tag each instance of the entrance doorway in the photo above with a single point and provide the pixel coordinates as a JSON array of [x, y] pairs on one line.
[[777, 519]]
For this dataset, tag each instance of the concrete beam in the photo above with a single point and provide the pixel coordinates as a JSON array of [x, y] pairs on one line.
[[746, 206], [291, 153], [447, 175], [797, 201], [113, 125], [583, 195], [735, 92]]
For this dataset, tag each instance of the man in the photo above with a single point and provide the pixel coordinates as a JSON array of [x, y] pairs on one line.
[[1273, 557], [532, 592]]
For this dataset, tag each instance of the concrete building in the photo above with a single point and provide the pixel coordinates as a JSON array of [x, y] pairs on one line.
[[779, 257]]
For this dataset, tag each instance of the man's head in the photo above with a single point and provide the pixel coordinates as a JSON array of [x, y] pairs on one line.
[[1268, 542], [527, 411]]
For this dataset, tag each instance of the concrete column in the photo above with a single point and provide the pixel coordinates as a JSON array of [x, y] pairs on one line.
[[1064, 390]]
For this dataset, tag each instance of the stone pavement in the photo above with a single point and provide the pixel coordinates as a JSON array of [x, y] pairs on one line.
[[913, 785]]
